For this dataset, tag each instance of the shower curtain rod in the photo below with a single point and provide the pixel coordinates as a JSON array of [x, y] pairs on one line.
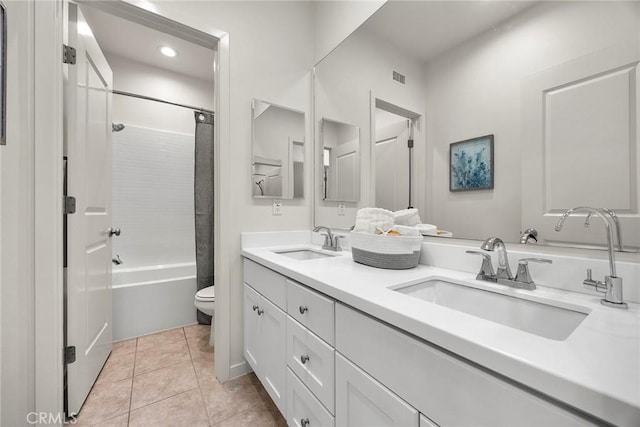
[[149, 98]]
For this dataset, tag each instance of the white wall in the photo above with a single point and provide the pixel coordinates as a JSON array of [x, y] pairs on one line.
[[334, 20], [142, 79], [363, 65], [16, 223], [475, 90], [271, 55]]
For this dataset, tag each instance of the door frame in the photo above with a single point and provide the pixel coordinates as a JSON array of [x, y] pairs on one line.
[[47, 304]]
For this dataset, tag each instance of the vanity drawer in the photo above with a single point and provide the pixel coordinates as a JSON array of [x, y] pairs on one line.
[[302, 405], [313, 310], [313, 361], [270, 284], [446, 388]]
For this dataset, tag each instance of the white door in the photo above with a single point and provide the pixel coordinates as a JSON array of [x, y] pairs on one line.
[[347, 169], [391, 161], [600, 92], [88, 149], [274, 354], [252, 338]]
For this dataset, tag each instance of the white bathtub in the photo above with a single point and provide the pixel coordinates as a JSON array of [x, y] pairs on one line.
[[152, 298]]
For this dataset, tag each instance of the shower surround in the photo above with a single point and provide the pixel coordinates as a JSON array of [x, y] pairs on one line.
[[153, 205]]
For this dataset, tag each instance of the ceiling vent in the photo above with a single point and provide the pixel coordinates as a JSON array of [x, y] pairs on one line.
[[398, 77]]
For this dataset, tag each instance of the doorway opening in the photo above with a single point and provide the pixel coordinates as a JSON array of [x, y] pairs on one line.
[[146, 282], [392, 158]]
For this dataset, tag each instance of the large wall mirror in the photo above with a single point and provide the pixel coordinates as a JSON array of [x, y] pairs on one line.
[[277, 151], [340, 161], [554, 83], [3, 74]]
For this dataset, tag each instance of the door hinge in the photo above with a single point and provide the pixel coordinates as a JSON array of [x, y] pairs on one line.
[[69, 354], [69, 205], [68, 55]]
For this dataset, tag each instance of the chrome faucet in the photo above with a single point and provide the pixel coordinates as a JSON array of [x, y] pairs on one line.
[[503, 276], [614, 217], [331, 242], [496, 243], [612, 285], [529, 234]]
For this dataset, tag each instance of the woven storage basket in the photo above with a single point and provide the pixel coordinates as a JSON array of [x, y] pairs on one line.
[[382, 251]]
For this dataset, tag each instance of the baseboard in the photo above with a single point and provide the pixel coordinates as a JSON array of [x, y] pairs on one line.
[[239, 370]]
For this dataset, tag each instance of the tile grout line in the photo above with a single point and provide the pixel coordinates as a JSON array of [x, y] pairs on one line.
[[206, 411], [133, 374], [135, 352], [162, 400]]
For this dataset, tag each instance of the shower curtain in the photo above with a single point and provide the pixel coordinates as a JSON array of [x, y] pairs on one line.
[[203, 190]]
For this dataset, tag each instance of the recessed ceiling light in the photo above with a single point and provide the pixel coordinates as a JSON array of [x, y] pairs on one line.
[[167, 51]]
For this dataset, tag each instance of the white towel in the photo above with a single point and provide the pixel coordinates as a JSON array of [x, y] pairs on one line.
[[427, 229], [367, 219], [408, 217], [406, 231]]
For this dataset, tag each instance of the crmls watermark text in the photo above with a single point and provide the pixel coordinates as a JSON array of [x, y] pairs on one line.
[[45, 418]]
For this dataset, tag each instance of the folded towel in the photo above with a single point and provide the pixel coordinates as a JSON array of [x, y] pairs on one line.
[[406, 230], [427, 229], [367, 219], [408, 217]]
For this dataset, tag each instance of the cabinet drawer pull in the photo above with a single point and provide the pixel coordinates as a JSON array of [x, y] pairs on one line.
[[304, 422], [255, 307], [260, 312], [304, 359], [303, 308]]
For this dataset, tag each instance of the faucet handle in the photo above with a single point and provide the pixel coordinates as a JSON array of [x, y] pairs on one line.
[[539, 260], [328, 242], [336, 241], [486, 272], [523, 275]]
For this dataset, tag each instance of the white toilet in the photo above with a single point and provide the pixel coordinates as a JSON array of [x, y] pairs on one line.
[[206, 300]]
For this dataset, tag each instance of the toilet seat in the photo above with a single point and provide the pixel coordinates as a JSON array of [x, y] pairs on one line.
[[206, 294]]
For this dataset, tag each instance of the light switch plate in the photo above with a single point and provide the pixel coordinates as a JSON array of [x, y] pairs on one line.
[[276, 208], [341, 208]]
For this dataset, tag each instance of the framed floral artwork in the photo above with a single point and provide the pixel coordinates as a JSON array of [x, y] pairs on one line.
[[471, 164]]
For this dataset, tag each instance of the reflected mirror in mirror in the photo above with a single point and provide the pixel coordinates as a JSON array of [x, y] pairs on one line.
[[278, 151], [340, 161], [554, 82]]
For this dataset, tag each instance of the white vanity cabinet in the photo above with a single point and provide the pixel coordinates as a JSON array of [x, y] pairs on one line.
[[361, 401], [265, 329], [447, 389], [265, 343], [290, 352], [303, 409], [325, 363], [310, 356]]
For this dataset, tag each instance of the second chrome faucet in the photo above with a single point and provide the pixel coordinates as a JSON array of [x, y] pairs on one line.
[[331, 241], [503, 275]]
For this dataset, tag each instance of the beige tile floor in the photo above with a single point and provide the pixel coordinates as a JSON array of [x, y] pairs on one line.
[[167, 379]]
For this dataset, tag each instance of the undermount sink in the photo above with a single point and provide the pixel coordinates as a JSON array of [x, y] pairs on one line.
[[303, 254], [541, 319]]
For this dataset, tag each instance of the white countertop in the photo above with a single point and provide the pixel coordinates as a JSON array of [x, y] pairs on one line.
[[596, 369]]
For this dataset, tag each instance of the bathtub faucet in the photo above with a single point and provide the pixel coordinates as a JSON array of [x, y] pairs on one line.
[[117, 260]]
